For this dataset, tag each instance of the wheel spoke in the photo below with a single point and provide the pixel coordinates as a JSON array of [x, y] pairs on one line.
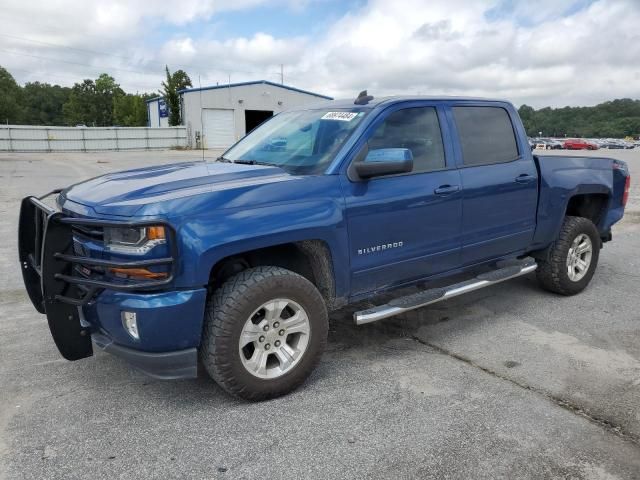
[[285, 356], [581, 265], [296, 324], [258, 361], [273, 310], [584, 247], [250, 333]]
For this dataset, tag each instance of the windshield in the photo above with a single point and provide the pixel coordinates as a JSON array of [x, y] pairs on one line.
[[301, 142]]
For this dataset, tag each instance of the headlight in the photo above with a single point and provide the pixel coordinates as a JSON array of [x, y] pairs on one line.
[[134, 240]]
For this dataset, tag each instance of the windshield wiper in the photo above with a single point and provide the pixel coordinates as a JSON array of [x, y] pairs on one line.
[[222, 159], [254, 162]]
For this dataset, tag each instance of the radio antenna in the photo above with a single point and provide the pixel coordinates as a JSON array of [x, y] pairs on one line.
[[201, 120]]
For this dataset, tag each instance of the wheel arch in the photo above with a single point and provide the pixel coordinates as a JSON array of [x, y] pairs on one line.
[[310, 258], [589, 203], [592, 205]]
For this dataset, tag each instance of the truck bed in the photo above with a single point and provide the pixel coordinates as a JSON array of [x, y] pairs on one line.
[[562, 177]]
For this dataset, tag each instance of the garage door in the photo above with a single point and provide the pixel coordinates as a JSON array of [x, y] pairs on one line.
[[219, 128]]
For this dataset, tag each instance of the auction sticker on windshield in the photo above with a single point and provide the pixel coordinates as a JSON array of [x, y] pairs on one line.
[[342, 116]]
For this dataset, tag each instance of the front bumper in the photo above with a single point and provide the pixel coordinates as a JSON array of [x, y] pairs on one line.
[[160, 365], [81, 308], [166, 321], [169, 326]]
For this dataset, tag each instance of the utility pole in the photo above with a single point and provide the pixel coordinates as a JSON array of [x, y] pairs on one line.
[[281, 74]]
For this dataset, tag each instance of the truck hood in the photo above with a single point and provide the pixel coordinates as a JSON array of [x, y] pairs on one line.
[[127, 193]]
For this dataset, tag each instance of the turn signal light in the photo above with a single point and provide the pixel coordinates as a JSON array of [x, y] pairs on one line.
[[155, 233], [138, 273]]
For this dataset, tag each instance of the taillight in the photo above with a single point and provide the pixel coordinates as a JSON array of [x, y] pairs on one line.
[[621, 167], [627, 187]]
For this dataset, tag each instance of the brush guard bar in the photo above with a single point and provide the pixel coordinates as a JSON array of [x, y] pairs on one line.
[[45, 245]]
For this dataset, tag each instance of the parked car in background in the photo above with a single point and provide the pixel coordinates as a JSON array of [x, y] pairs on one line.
[[579, 144], [548, 144], [612, 144]]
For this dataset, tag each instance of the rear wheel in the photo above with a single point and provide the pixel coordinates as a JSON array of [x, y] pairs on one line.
[[265, 330], [572, 259]]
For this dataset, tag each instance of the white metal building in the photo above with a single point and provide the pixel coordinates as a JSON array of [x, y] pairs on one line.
[[157, 113], [219, 115]]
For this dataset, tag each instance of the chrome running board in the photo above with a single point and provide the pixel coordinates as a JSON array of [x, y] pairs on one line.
[[506, 270]]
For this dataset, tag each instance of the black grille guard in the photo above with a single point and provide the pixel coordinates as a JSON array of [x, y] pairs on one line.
[[45, 245]]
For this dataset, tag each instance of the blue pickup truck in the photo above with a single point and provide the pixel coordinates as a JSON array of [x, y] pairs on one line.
[[234, 263]]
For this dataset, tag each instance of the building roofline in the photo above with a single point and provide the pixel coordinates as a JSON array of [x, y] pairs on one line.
[[255, 82], [154, 99]]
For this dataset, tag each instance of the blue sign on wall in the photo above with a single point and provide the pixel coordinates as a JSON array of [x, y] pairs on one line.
[[163, 109]]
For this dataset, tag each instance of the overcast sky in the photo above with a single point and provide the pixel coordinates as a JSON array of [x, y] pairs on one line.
[[543, 52]]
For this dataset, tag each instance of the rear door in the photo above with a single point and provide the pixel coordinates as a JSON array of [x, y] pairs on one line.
[[499, 182], [405, 227]]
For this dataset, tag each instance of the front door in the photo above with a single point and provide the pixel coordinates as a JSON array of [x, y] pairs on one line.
[[405, 227]]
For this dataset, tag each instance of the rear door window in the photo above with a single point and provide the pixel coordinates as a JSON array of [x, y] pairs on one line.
[[486, 135]]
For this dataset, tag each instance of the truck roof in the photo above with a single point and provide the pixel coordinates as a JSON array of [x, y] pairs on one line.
[[377, 101]]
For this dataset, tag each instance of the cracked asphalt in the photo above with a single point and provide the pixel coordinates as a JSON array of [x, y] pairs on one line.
[[505, 382]]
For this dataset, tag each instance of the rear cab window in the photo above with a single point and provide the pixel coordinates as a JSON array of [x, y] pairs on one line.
[[486, 135]]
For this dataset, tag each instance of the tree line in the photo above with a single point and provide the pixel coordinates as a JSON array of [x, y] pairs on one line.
[[99, 102], [615, 119]]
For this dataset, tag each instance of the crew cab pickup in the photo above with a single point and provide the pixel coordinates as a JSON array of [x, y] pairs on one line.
[[236, 262]]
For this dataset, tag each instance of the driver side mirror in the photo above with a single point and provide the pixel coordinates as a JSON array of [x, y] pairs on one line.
[[383, 161]]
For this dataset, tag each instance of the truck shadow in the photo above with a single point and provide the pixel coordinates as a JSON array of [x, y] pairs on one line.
[[489, 303], [345, 340]]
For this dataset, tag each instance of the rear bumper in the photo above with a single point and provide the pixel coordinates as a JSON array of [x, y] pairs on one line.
[[161, 365]]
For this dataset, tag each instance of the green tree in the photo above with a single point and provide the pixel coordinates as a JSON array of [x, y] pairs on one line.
[[81, 107], [91, 102], [10, 98], [616, 118], [174, 82], [106, 90], [130, 110], [42, 103]]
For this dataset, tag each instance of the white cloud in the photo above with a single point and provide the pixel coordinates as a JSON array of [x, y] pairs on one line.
[[450, 47], [533, 52]]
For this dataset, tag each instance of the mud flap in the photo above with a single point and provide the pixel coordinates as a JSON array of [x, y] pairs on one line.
[[40, 237]]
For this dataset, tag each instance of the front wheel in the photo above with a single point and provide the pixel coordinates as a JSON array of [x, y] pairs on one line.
[[572, 259], [265, 331]]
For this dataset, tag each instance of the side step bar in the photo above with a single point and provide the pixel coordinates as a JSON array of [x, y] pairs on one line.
[[506, 270]]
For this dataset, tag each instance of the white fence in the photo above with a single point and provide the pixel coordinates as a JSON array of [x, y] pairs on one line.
[[17, 138]]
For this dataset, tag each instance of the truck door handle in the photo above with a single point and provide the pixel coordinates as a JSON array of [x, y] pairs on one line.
[[446, 189], [525, 178]]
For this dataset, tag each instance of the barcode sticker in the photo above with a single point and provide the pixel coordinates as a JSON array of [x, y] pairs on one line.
[[342, 116]]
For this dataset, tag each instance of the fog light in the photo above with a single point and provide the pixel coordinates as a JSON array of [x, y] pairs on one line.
[[130, 324]]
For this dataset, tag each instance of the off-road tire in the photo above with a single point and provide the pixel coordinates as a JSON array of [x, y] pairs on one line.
[[552, 273], [229, 307]]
